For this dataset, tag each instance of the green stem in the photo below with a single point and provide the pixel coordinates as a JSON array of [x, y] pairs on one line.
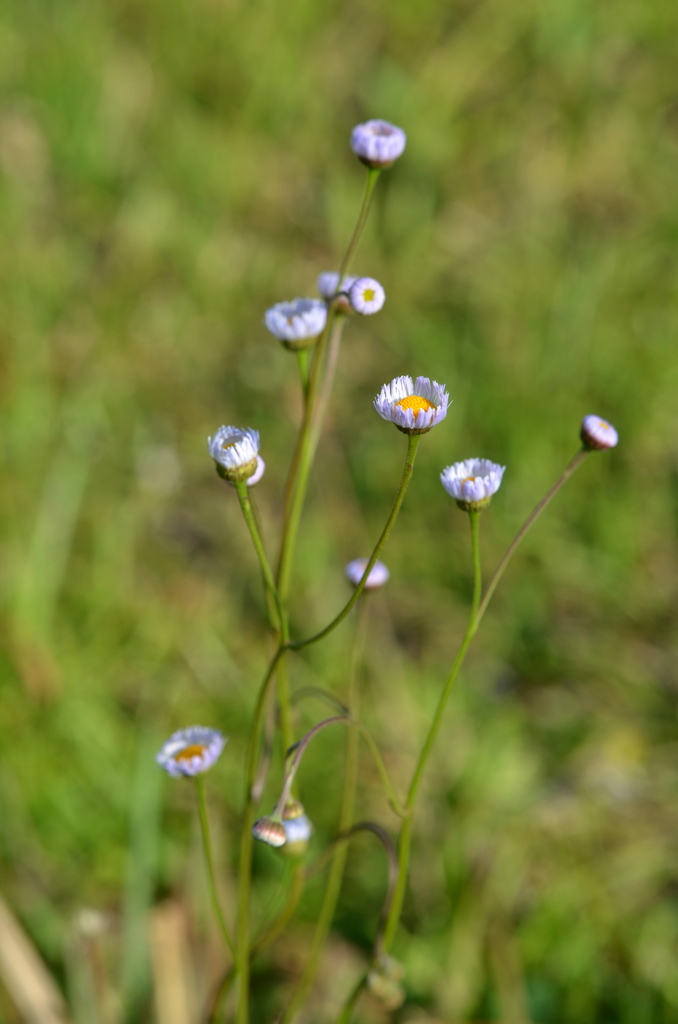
[[336, 873], [302, 460], [299, 749], [209, 860], [323, 399], [278, 926], [536, 512], [412, 446], [302, 363], [250, 519], [372, 179], [242, 953], [350, 1005], [478, 608], [283, 685], [405, 843]]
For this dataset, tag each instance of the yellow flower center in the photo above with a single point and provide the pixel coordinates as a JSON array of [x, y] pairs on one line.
[[467, 480], [194, 750], [416, 403], [368, 295], [229, 444], [604, 425]]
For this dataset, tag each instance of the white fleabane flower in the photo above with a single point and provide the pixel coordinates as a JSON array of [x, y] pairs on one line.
[[597, 434], [190, 751], [366, 296], [236, 453], [414, 406], [379, 574], [472, 482], [328, 284], [297, 323], [378, 143]]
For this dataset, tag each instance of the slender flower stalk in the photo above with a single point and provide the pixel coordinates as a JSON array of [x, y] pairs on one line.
[[339, 854], [412, 446], [297, 482], [298, 750], [242, 952], [209, 861], [529, 522], [478, 608], [283, 686]]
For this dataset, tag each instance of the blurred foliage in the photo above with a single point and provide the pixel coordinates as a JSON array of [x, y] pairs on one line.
[[169, 169]]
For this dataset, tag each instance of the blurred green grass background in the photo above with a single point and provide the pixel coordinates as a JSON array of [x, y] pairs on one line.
[[169, 169]]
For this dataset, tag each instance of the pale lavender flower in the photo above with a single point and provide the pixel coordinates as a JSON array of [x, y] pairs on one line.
[[379, 574], [366, 296], [597, 434], [298, 830], [378, 143], [472, 482], [236, 453], [328, 284], [297, 323], [413, 406], [190, 751]]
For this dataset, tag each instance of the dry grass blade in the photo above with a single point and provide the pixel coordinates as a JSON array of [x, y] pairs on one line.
[[172, 976], [24, 975]]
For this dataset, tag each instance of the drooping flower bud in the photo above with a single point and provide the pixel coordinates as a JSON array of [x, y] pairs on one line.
[[270, 830], [384, 981]]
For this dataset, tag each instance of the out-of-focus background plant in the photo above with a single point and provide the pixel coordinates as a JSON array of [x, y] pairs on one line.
[[170, 169]]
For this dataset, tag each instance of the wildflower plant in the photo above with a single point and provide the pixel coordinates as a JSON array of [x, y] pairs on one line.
[[312, 329]]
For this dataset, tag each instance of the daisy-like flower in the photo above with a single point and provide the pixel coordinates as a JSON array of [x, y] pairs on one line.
[[378, 143], [297, 323], [472, 482], [414, 407], [597, 434], [236, 453], [190, 751], [270, 830], [379, 574], [366, 296], [328, 284]]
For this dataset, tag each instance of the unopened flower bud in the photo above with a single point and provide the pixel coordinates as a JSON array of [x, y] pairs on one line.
[[384, 982], [366, 296], [298, 831], [292, 809], [331, 291], [597, 434], [236, 453], [270, 830], [297, 323], [379, 574], [378, 143], [472, 482]]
